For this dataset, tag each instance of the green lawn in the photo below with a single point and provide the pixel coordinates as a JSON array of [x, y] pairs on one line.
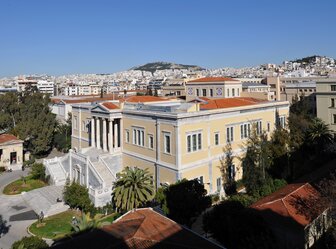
[[19, 186], [59, 225], [55, 226]]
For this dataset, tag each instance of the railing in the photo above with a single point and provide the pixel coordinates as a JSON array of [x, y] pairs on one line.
[[78, 156], [96, 173], [108, 168]]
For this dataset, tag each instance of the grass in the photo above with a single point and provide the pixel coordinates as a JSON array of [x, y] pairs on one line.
[[59, 225], [18, 186], [56, 226]]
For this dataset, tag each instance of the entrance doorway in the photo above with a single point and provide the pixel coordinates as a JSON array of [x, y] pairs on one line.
[[13, 158]]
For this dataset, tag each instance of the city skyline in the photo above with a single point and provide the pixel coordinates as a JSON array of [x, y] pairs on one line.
[[102, 37]]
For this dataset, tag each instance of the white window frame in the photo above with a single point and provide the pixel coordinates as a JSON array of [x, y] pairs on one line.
[[229, 134], [194, 141], [245, 130], [150, 143], [138, 136], [218, 184], [217, 136], [127, 135], [165, 135]]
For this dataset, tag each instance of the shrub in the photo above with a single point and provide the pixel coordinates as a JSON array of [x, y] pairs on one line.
[[243, 199], [32, 242], [38, 172], [77, 196], [29, 162], [2, 169]]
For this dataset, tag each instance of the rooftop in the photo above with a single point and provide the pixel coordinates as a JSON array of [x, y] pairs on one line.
[[230, 102], [4, 138], [140, 229], [297, 201], [213, 79]]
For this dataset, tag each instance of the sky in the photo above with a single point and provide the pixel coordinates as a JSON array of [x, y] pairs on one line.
[[59, 37]]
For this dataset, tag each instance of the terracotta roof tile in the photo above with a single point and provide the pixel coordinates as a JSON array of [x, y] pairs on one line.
[[110, 105], [212, 79], [230, 102], [293, 201], [141, 229], [4, 138]]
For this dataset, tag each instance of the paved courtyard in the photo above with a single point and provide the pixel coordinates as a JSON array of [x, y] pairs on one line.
[[15, 211]]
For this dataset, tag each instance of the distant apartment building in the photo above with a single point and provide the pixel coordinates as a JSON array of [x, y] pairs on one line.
[[45, 86], [326, 101], [173, 139]]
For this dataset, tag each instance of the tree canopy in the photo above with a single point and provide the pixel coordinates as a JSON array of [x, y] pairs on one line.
[[133, 188], [28, 116], [184, 201], [77, 196]]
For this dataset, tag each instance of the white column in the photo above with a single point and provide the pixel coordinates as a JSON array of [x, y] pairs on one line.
[[98, 133], [110, 136], [93, 132], [115, 135], [104, 135]]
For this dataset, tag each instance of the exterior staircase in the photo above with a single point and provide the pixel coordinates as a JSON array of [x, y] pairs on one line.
[[57, 173], [104, 172]]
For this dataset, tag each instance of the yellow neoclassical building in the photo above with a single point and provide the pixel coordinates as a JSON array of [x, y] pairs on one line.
[[173, 138]]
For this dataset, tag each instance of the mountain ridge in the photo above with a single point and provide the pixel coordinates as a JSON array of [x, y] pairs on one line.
[[161, 65]]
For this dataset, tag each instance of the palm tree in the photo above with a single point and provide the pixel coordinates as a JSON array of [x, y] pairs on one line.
[[319, 134], [133, 187]]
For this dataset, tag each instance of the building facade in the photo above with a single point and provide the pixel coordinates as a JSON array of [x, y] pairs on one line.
[[11, 151], [173, 139], [325, 102]]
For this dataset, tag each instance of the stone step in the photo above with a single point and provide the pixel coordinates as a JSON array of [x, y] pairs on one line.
[[103, 171]]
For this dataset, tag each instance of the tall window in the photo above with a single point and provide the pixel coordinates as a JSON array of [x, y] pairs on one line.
[[268, 126], [194, 141], [197, 92], [75, 122], [127, 136], [333, 88], [138, 136], [229, 134], [211, 92], [204, 92], [259, 127], [238, 92], [332, 103], [334, 118], [232, 171], [219, 184], [233, 92], [282, 121], [150, 141], [167, 148], [245, 130], [217, 138], [228, 92]]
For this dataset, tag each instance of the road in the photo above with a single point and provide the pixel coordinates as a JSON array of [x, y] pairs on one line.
[[14, 210]]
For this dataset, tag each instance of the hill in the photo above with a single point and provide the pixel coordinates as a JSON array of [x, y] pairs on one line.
[[153, 66]]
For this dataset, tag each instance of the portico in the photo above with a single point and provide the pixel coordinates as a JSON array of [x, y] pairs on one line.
[[105, 133]]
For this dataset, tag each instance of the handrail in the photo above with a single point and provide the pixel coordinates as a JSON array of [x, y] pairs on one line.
[[95, 172], [108, 168]]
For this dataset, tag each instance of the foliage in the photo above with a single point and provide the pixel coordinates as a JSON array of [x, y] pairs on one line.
[[31, 242], [28, 116], [84, 223], [330, 238], [132, 188], [55, 226], [19, 186], [244, 199], [4, 228], [256, 161], [226, 162], [319, 135], [185, 200], [237, 227], [77, 196], [29, 162], [62, 137], [38, 172]]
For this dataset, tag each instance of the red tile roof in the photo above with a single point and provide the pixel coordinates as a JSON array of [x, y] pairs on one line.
[[110, 105], [213, 79], [297, 201], [141, 229], [4, 138], [230, 102]]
